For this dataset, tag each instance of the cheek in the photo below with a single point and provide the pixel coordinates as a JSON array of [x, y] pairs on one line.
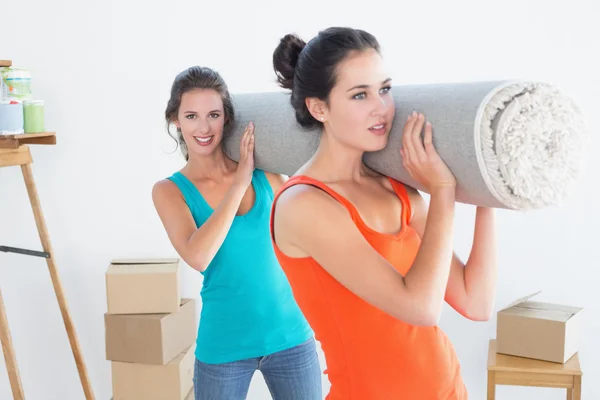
[[352, 115], [216, 125], [187, 126], [391, 107], [350, 121]]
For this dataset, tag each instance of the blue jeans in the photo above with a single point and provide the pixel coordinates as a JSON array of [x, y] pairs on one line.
[[292, 374]]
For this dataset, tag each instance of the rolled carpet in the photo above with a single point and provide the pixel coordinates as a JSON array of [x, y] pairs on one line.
[[510, 144]]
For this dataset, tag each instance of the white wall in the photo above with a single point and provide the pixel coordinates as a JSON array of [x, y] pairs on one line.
[[105, 71]]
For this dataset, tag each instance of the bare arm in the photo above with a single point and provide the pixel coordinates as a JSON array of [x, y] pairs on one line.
[[198, 246], [311, 221], [481, 269], [471, 288]]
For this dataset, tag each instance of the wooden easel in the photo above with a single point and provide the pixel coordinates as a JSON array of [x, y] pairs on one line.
[[14, 151]]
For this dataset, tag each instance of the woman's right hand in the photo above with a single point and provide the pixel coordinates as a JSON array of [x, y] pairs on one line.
[[243, 175], [420, 158]]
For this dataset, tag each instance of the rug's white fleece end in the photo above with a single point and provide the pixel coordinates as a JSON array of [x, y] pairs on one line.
[[533, 143]]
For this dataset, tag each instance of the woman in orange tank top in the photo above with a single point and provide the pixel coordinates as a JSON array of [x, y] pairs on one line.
[[370, 264]]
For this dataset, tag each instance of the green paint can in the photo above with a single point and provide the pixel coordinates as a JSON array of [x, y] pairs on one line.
[[33, 116]]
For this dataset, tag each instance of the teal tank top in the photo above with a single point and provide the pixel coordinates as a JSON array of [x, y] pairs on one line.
[[248, 309]]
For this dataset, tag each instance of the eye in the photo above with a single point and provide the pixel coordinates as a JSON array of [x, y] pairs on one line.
[[385, 90], [360, 96], [190, 116], [214, 115]]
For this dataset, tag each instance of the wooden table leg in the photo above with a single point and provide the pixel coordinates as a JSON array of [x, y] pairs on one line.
[[491, 386], [9, 355], [576, 388], [58, 289]]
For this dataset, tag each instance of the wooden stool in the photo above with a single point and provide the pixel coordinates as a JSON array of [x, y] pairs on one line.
[[519, 371]]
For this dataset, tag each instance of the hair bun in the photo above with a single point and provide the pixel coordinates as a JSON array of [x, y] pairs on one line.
[[285, 58]]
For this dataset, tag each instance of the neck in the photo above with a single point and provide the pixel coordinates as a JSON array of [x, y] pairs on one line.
[[214, 166], [338, 161]]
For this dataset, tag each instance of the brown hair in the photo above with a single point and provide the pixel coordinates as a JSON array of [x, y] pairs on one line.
[[196, 78]]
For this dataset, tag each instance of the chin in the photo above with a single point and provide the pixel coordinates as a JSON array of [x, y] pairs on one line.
[[203, 150], [376, 145]]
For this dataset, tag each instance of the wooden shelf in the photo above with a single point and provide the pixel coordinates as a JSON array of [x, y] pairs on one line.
[[5, 63], [14, 141]]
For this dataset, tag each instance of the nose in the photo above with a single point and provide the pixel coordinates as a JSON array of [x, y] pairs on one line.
[[203, 126], [379, 107]]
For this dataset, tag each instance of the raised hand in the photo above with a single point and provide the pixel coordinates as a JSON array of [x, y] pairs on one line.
[[420, 158], [243, 176]]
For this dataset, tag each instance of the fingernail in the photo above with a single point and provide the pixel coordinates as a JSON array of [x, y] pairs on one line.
[[414, 113]]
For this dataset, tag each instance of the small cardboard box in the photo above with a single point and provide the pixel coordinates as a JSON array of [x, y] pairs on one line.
[[542, 331], [143, 286], [190, 395], [173, 381], [150, 338]]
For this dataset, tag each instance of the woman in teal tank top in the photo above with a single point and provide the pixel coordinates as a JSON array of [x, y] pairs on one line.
[[216, 215]]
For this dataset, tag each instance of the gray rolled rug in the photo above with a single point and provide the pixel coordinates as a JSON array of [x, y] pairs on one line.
[[511, 144]]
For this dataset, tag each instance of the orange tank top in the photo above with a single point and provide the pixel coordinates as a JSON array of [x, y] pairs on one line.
[[371, 355]]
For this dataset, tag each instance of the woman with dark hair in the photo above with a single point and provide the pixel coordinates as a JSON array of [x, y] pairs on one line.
[[216, 215], [369, 262]]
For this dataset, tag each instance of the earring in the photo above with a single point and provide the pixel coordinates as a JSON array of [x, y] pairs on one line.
[[322, 119]]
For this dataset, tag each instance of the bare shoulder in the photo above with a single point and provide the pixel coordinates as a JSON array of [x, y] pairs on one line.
[[305, 215], [164, 190], [301, 201], [168, 199], [276, 180]]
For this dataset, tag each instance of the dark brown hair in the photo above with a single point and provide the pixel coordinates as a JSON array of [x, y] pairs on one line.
[[309, 69], [196, 78]]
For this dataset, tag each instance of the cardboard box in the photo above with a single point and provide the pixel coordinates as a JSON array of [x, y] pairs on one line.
[[150, 338], [173, 381], [143, 286], [542, 331], [190, 395]]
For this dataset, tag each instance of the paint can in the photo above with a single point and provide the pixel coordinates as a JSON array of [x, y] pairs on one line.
[[15, 84], [11, 117]]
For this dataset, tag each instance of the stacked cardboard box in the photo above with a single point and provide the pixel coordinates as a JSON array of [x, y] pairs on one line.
[[150, 331], [539, 330]]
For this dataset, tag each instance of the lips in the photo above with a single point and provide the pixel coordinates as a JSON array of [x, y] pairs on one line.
[[378, 129], [204, 140]]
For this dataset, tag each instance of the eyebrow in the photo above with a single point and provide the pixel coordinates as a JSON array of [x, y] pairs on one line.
[[366, 86], [210, 112]]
